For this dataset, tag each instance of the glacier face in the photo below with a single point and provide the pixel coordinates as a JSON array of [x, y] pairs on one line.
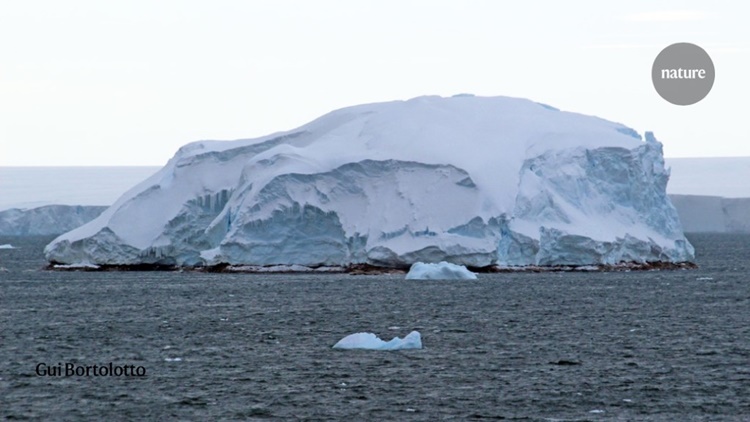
[[474, 181]]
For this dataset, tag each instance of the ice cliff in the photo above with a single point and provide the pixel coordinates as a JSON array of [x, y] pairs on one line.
[[475, 181]]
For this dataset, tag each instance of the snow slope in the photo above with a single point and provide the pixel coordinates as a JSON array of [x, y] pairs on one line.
[[470, 180]]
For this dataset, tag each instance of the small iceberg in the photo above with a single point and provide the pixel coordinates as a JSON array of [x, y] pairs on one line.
[[370, 341], [80, 266], [7, 246], [440, 271]]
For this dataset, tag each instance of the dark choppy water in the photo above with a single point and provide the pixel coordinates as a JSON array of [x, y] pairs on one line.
[[672, 346]]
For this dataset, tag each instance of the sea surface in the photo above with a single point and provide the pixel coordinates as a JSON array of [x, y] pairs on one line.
[[637, 346]]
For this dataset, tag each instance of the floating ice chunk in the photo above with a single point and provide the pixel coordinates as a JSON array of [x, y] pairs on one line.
[[370, 341], [7, 246], [81, 266], [441, 271]]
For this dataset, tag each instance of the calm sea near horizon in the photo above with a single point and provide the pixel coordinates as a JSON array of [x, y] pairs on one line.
[[637, 346]]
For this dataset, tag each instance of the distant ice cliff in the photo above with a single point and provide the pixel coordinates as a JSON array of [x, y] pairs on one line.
[[46, 220], [701, 214]]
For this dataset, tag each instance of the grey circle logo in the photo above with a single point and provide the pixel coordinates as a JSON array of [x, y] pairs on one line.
[[683, 73]]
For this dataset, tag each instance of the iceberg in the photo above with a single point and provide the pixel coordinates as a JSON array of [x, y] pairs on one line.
[[370, 341], [7, 246], [440, 271], [473, 181]]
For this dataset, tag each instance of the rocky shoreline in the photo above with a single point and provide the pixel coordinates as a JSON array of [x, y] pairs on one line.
[[367, 269]]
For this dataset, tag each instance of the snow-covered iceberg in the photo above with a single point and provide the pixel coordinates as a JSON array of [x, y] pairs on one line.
[[475, 181], [440, 271], [370, 341]]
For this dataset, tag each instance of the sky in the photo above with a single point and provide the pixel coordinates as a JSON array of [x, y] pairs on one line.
[[93, 83]]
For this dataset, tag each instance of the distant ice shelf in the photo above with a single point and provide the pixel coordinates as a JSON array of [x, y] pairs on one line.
[[713, 214], [46, 220]]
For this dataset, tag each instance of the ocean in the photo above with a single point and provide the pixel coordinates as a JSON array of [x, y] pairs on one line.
[[624, 346]]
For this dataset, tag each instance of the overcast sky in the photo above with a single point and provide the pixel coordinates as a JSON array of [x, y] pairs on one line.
[[129, 82]]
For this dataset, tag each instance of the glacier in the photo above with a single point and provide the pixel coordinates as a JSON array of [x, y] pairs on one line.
[[439, 271], [474, 181], [370, 341]]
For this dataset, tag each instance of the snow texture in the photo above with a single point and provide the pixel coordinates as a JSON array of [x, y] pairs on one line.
[[46, 220], [474, 181], [440, 271], [370, 341]]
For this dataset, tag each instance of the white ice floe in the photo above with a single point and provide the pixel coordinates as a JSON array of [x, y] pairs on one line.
[[7, 246], [81, 266], [440, 271], [370, 341]]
